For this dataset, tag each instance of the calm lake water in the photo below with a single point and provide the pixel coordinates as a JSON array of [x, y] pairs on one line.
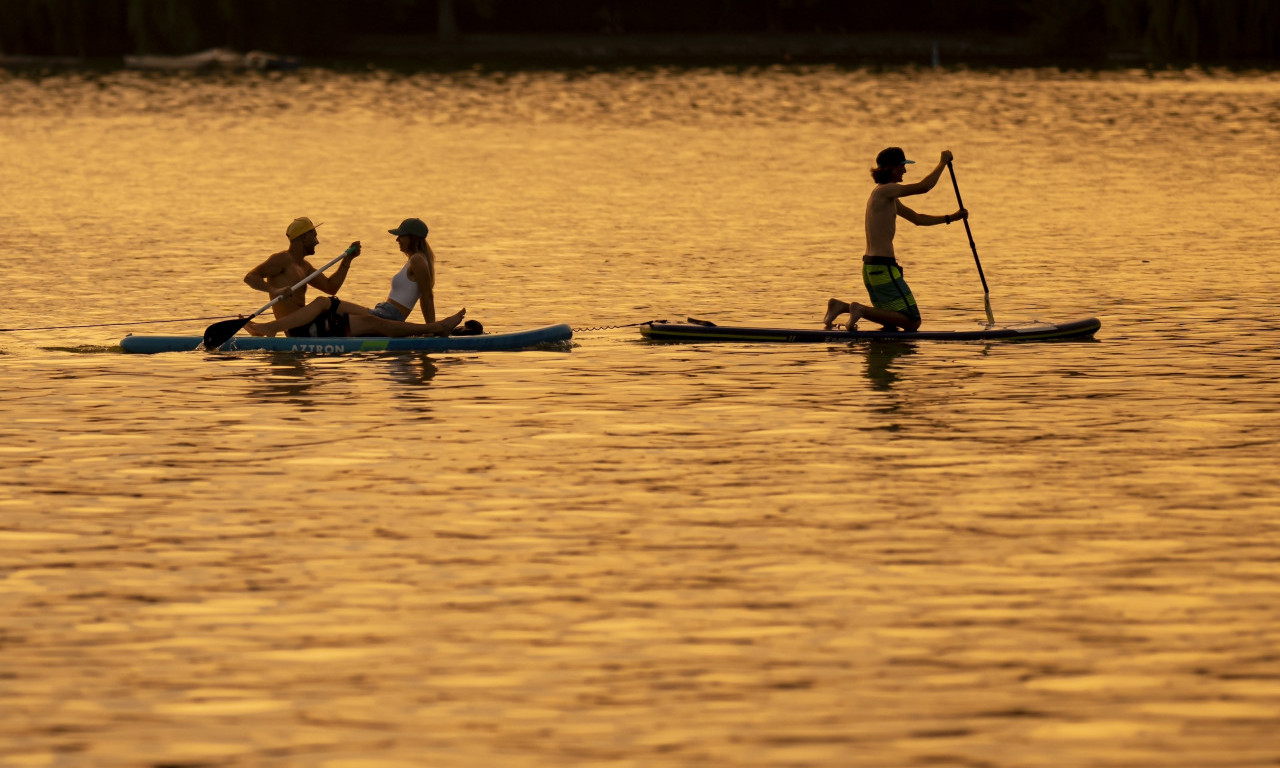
[[622, 553]]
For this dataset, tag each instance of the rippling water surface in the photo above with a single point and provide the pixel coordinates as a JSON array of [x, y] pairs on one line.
[[622, 553]]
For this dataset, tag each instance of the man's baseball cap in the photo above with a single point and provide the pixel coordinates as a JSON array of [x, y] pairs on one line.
[[892, 158], [410, 227], [299, 226]]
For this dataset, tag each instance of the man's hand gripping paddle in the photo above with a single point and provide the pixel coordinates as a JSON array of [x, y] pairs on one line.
[[221, 332], [986, 294]]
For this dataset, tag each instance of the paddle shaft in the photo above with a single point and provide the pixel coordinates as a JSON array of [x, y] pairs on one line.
[[968, 231]]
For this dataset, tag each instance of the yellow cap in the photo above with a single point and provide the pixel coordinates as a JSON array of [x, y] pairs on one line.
[[299, 226]]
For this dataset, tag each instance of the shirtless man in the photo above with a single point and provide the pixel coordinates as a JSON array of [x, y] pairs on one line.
[[281, 271], [893, 306]]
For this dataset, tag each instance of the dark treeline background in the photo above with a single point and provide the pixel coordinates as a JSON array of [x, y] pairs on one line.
[[1173, 30]]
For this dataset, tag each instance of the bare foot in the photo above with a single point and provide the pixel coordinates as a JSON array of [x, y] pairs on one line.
[[855, 314], [258, 329], [835, 308], [449, 323]]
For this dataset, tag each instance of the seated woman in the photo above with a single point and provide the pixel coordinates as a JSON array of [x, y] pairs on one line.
[[413, 284]]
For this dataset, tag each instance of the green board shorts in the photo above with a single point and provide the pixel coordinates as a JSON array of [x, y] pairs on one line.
[[885, 286]]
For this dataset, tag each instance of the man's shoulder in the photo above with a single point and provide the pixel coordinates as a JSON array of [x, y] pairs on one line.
[[278, 264], [889, 191], [273, 264]]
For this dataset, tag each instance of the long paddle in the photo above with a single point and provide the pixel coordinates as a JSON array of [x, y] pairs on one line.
[[220, 333], [986, 294]]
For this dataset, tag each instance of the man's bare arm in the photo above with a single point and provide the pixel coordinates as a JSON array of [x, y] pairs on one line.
[[928, 182], [333, 283], [929, 220], [257, 277]]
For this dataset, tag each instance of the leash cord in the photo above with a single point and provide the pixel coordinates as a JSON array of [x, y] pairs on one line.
[[104, 325], [607, 327]]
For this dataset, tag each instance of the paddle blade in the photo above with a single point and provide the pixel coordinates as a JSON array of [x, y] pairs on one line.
[[221, 332]]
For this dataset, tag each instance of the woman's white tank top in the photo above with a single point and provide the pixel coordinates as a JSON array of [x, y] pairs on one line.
[[404, 291]]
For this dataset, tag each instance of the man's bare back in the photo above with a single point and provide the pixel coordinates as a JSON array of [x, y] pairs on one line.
[[881, 220]]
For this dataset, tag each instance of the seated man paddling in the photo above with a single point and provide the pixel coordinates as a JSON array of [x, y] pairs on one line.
[[893, 306], [281, 271], [327, 316]]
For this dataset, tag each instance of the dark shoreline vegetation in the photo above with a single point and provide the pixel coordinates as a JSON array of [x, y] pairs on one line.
[[454, 32]]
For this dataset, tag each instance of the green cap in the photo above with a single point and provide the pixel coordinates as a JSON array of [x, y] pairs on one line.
[[410, 227], [892, 158]]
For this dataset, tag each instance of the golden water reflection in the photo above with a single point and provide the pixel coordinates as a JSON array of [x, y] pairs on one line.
[[631, 553]]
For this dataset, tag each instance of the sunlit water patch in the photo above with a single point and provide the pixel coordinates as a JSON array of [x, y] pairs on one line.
[[625, 552]]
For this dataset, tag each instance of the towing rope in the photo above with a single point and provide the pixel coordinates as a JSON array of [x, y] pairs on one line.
[[608, 327], [104, 325]]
